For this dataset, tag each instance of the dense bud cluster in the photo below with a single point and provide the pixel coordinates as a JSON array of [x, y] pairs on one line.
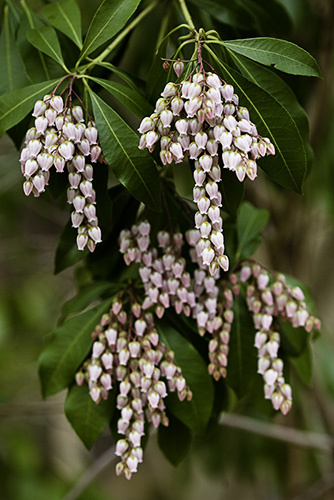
[[61, 139], [209, 300], [200, 118], [269, 297], [128, 353]]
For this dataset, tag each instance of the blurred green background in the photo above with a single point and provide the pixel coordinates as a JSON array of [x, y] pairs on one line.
[[41, 457]]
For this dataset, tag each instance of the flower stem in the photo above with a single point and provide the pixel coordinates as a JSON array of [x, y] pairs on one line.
[[186, 14], [122, 35]]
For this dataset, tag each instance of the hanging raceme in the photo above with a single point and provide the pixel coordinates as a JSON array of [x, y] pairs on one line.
[[59, 139], [201, 119]]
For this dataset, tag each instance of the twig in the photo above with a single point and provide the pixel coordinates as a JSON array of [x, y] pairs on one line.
[[88, 476], [287, 434]]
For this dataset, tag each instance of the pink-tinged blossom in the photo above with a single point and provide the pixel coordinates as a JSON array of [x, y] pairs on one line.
[[266, 321], [205, 162], [208, 255], [270, 376]]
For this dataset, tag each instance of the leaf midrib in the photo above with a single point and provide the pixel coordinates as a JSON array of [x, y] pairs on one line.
[[111, 86], [231, 44], [101, 31], [63, 357], [122, 148], [264, 123], [45, 40], [68, 21], [25, 100], [287, 111]]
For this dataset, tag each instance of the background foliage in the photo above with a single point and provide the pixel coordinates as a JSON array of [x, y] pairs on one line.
[[39, 454]]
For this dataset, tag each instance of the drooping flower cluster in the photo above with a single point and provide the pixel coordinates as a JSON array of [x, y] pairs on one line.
[[128, 353], [200, 118], [162, 270], [61, 139], [269, 297], [209, 300]]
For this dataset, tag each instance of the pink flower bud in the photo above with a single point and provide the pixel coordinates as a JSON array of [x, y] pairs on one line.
[[192, 106], [270, 376], [95, 234], [213, 80], [82, 241], [266, 321], [56, 102], [277, 399], [79, 203], [208, 255], [39, 183], [140, 327], [169, 90], [95, 393], [39, 108]]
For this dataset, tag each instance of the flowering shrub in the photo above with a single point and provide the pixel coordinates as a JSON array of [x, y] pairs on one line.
[[174, 305]]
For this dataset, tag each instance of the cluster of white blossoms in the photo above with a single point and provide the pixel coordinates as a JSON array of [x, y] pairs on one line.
[[128, 353], [209, 300], [269, 297], [61, 139], [200, 118]]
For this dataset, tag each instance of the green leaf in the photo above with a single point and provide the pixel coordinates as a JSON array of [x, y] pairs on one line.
[[36, 63], [196, 413], [281, 54], [108, 20], [304, 366], [45, 39], [67, 348], [13, 73], [293, 339], [86, 295], [132, 99], [156, 78], [276, 87], [174, 441], [242, 356], [14, 106], [134, 168], [250, 223], [67, 253], [66, 17], [232, 192], [288, 165], [88, 419]]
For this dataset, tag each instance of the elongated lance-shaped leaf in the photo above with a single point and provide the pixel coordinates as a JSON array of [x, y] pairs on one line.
[[65, 15], [37, 64], [46, 40], [132, 99], [133, 168], [109, 19], [13, 73], [14, 106], [196, 413], [271, 82], [87, 418], [67, 348], [281, 54], [250, 223], [288, 166]]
